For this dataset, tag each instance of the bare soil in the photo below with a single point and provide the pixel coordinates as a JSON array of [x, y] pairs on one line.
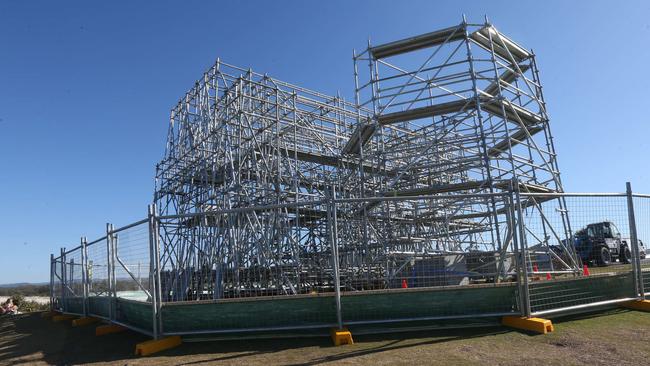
[[613, 338]]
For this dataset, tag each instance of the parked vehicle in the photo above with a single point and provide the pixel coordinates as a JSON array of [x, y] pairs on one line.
[[601, 243]]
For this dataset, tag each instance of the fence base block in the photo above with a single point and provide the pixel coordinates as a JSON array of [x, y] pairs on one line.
[[157, 345], [108, 329], [62, 318], [642, 305], [84, 321], [341, 336], [537, 325]]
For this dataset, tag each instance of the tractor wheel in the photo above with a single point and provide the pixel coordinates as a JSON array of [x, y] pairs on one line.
[[603, 256], [626, 255]]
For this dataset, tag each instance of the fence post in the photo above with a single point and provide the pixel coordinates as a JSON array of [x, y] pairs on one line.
[[109, 278], [525, 293], [156, 259], [84, 276], [114, 242], [52, 269], [63, 280], [152, 270], [335, 254], [636, 260]]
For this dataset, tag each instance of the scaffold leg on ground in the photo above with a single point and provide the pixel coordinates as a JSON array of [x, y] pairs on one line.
[[537, 325], [108, 329], [642, 305], [84, 321], [157, 345], [341, 336]]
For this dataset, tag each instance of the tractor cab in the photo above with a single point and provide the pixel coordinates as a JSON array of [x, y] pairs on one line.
[[603, 230]]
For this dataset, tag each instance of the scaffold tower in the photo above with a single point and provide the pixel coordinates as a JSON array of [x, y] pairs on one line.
[[263, 182]]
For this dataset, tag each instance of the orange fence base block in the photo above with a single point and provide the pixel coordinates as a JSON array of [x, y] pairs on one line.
[[537, 325], [84, 321], [341, 336], [61, 318], [642, 305], [108, 329], [157, 345]]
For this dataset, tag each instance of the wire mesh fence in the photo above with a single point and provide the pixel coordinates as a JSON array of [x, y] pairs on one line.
[[132, 262], [598, 243], [56, 283], [98, 270], [74, 281], [336, 262], [642, 216]]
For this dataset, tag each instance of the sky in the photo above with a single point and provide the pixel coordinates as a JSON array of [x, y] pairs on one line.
[[86, 89]]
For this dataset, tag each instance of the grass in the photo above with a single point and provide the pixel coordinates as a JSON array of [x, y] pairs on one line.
[[617, 337]]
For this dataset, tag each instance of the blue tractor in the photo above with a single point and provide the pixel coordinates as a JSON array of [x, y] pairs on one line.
[[601, 244]]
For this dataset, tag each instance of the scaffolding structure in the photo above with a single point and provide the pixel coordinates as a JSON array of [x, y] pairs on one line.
[[268, 188]]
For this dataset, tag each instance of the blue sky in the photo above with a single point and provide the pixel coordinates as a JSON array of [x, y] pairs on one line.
[[86, 89]]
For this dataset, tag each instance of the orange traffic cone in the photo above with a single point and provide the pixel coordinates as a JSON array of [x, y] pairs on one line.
[[548, 276], [585, 270], [405, 284]]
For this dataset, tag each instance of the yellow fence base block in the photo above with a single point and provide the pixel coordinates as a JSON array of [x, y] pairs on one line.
[[341, 336], [61, 318], [642, 305], [84, 321], [108, 329], [157, 345], [536, 325]]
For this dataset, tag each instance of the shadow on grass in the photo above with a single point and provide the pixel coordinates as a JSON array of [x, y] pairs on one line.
[[30, 338], [394, 341]]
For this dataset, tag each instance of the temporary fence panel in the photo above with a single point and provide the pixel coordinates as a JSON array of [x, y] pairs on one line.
[[214, 262], [73, 297], [642, 215], [396, 260], [57, 284], [98, 274], [591, 265]]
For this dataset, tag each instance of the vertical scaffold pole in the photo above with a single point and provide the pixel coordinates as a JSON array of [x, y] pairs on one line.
[[634, 243]]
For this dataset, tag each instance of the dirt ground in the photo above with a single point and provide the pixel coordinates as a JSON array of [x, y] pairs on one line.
[[617, 337]]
